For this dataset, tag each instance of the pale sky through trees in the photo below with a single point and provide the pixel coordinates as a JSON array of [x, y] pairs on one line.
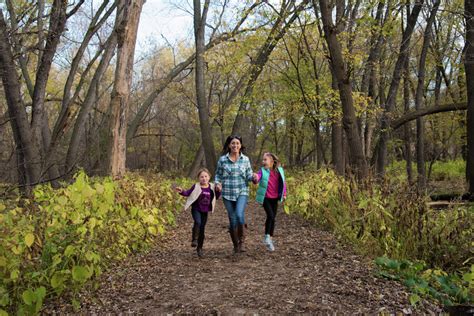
[[160, 18]]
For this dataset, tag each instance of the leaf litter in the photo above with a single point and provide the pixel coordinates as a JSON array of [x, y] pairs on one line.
[[309, 272]]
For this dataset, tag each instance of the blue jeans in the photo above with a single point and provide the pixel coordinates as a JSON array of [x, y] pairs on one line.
[[236, 211]]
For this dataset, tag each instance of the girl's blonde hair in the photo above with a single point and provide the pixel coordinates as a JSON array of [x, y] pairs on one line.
[[276, 160], [203, 170]]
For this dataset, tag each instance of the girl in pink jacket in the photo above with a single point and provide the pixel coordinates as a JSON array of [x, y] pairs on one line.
[[271, 190]]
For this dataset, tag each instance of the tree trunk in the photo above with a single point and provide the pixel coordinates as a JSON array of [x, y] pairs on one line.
[[203, 108], [469, 69], [41, 40], [392, 94], [345, 92], [68, 97], [407, 127], [20, 164], [299, 148], [16, 42], [318, 145], [39, 118], [336, 148], [73, 154], [290, 137], [57, 25], [420, 134], [199, 157], [26, 147], [337, 157], [95, 24], [50, 162], [197, 162], [129, 16], [369, 80], [319, 156]]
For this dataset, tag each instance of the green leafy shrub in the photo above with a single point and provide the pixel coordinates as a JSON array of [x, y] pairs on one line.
[[398, 170], [448, 289], [389, 219], [62, 238], [394, 221]]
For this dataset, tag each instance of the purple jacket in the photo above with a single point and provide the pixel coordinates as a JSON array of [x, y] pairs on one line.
[[203, 202]]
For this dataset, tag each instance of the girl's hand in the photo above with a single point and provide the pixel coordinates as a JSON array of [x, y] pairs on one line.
[[219, 187], [255, 177], [178, 189]]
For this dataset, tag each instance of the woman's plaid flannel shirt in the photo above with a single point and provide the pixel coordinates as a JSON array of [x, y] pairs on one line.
[[234, 176]]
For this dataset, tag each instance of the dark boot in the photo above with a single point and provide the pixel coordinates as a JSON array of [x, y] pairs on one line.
[[235, 239], [241, 236], [194, 241], [199, 252]]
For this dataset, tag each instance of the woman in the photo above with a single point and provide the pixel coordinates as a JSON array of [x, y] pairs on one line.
[[233, 175]]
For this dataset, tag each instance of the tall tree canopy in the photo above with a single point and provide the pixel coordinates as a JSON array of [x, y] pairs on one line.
[[333, 83]]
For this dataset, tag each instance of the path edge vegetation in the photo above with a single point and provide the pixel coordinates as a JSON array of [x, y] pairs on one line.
[[61, 240], [428, 250]]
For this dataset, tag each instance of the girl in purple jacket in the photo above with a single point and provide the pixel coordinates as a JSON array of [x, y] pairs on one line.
[[202, 198]]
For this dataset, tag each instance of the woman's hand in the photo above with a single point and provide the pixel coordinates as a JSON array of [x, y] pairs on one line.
[[218, 187]]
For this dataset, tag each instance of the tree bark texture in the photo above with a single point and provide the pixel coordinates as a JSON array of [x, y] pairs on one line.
[[77, 136], [469, 69], [129, 16], [349, 121], [392, 93], [200, 17], [407, 127], [28, 153], [419, 96]]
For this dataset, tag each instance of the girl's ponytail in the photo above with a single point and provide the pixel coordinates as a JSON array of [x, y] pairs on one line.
[[276, 160]]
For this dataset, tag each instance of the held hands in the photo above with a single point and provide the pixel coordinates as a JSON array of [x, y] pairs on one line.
[[255, 177], [218, 187]]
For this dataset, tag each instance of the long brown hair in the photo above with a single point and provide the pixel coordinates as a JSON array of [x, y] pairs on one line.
[[229, 139], [276, 160]]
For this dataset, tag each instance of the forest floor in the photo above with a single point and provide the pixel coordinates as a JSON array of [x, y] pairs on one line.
[[309, 272]]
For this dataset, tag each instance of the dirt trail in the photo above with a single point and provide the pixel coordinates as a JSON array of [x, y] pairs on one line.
[[308, 273]]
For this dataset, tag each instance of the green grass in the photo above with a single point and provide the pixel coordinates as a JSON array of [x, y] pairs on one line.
[[448, 170], [453, 170]]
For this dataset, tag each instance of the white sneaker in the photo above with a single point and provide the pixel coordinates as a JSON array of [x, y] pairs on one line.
[[267, 239], [270, 245]]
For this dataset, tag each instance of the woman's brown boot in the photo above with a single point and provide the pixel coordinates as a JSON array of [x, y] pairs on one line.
[[235, 239], [241, 235]]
